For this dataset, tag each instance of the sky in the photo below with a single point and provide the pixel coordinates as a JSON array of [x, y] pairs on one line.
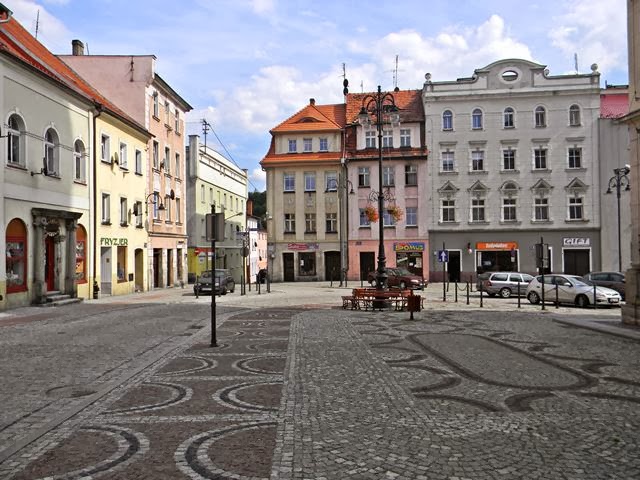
[[247, 65]]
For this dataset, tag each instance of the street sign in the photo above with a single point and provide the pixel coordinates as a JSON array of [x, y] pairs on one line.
[[443, 256]]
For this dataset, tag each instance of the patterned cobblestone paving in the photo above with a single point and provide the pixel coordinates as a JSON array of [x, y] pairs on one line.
[[332, 394]]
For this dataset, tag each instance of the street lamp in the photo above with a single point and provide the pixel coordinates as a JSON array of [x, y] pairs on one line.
[[341, 185], [379, 105], [620, 179]]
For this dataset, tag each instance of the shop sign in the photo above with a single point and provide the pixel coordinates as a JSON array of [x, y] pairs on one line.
[[113, 241], [500, 246], [303, 246], [408, 247], [576, 242]]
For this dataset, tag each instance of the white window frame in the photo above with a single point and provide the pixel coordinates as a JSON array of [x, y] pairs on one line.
[[572, 157], [387, 219], [16, 141], [535, 158], [156, 155], [405, 137], [540, 117], [324, 144], [138, 162], [52, 152], [178, 212], [105, 214], [138, 206], [370, 139], [79, 167], [509, 204], [575, 205], [293, 145], [289, 182], [387, 139], [331, 222], [289, 223], [411, 174], [477, 159], [176, 173], [123, 212], [167, 161], [310, 223], [156, 105], [309, 181], [574, 115], [307, 144], [123, 156], [156, 205], [105, 148], [411, 216], [509, 118], [447, 120], [331, 181], [541, 204], [364, 219], [167, 209], [448, 204], [508, 152], [477, 119], [477, 212], [364, 177], [388, 176], [445, 161]]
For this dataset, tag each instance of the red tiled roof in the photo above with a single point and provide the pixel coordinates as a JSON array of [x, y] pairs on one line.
[[18, 43], [314, 118], [614, 105], [408, 101]]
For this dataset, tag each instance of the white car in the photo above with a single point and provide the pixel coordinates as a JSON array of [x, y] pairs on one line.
[[571, 289]]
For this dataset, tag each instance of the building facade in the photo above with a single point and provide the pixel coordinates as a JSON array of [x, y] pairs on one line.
[[133, 84], [514, 163]]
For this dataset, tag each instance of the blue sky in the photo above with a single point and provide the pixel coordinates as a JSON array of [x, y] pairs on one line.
[[246, 65]]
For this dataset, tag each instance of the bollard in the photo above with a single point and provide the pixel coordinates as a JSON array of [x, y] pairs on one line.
[[519, 294], [197, 289], [467, 293], [557, 303], [595, 302], [456, 294], [481, 290]]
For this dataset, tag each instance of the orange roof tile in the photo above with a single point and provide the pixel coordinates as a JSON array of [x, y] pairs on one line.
[[614, 105], [408, 101], [314, 118], [18, 43]]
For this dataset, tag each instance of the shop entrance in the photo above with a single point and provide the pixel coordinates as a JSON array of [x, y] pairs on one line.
[[289, 267], [453, 266], [367, 264], [497, 261], [411, 261], [576, 262], [105, 270], [332, 267]]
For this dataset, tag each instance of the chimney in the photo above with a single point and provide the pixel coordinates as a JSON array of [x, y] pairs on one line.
[[312, 101], [77, 48]]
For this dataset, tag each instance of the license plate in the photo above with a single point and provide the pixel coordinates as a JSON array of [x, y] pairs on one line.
[[613, 300]]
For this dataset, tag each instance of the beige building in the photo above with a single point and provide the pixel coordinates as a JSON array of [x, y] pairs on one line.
[[132, 83]]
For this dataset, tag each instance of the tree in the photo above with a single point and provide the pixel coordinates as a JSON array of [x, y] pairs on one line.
[[259, 205]]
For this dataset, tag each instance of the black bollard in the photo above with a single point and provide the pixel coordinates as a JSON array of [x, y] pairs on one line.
[[468, 293]]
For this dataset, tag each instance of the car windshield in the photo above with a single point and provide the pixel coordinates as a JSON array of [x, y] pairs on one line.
[[402, 271]]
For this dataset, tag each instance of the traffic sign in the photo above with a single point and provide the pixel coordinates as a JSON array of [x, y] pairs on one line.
[[443, 256]]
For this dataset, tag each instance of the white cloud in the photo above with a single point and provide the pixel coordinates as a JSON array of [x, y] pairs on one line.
[[51, 31], [263, 7], [258, 177]]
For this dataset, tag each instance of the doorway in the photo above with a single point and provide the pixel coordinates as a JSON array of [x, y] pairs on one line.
[[105, 270], [289, 267], [139, 269], [157, 266], [367, 264], [454, 266], [169, 267], [50, 263], [332, 267], [576, 262]]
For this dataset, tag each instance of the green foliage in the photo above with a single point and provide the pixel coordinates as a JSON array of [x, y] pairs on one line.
[[259, 205]]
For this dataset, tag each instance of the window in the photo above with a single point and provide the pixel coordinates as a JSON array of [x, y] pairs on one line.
[[79, 169], [177, 122], [309, 223], [332, 222], [201, 193], [289, 223], [324, 144], [167, 208], [51, 146], [540, 158], [178, 212], [388, 177], [156, 205], [448, 161], [477, 161], [289, 181], [447, 120], [138, 209], [363, 177], [508, 159], [122, 264], [387, 219], [411, 217], [123, 212], [123, 155], [309, 181], [477, 210], [16, 256], [15, 141], [509, 210], [307, 144], [574, 116], [306, 264], [447, 210], [476, 119], [364, 219], [411, 174], [331, 181], [575, 157], [156, 155], [370, 139], [81, 255], [106, 209], [138, 162], [293, 146], [176, 173], [575, 208], [105, 151], [508, 120], [210, 195], [540, 117], [167, 160], [541, 209], [405, 137], [387, 139], [156, 105]]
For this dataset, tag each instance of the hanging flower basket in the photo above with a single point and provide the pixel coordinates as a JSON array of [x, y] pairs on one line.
[[371, 213], [396, 213]]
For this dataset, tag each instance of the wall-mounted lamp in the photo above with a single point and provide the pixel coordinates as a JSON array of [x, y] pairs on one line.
[[469, 251]]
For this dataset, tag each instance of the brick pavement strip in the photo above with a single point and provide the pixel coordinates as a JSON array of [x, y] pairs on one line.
[[366, 396]]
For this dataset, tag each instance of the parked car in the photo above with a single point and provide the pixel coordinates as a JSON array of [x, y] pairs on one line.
[[223, 283], [613, 280], [571, 289], [503, 283], [398, 277]]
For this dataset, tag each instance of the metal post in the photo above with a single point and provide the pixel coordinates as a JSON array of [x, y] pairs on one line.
[[444, 283], [214, 340], [381, 282], [467, 293], [557, 304], [481, 290], [456, 294], [542, 268], [518, 293]]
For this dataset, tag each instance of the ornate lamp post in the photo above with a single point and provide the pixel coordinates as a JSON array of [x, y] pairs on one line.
[[619, 180], [381, 105], [341, 185]]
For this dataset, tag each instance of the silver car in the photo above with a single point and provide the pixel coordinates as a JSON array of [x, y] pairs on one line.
[[503, 283], [571, 289]]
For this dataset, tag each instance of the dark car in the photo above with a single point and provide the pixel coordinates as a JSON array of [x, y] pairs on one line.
[[398, 277], [223, 283], [613, 280]]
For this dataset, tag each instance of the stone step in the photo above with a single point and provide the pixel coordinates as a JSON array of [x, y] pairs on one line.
[[64, 301], [55, 297]]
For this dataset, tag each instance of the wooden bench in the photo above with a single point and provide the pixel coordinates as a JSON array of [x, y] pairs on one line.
[[365, 298]]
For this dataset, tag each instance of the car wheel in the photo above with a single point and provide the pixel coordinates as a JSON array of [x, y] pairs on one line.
[[582, 301], [505, 292], [402, 285], [533, 297]]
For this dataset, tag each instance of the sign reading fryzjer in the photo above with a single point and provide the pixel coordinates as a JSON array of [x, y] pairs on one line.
[[408, 247], [576, 242]]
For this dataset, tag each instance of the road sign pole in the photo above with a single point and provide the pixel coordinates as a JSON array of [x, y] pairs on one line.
[[444, 264]]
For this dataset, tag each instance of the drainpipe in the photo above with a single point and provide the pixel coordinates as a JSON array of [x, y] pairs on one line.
[[95, 288]]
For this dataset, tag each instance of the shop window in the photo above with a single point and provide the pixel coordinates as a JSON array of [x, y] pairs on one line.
[[16, 256], [122, 264], [81, 255], [307, 265]]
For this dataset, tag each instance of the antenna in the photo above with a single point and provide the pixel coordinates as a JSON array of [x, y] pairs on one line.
[[205, 131], [575, 61], [361, 86], [395, 75], [37, 23]]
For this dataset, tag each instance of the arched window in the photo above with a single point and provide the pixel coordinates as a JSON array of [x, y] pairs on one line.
[[51, 146], [447, 120], [16, 256], [574, 115], [15, 139], [81, 255], [508, 118], [476, 119], [540, 117], [78, 161]]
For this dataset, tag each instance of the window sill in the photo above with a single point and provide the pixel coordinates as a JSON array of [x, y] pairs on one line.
[[575, 125], [155, 117], [411, 226], [168, 222], [540, 126], [124, 168], [541, 170], [510, 171], [478, 172], [106, 222], [16, 166], [139, 173], [576, 220], [19, 289], [440, 222], [479, 222], [575, 169], [389, 226], [139, 226], [542, 221], [510, 222], [106, 162], [310, 232], [288, 233], [447, 129], [80, 182], [410, 184], [509, 127], [331, 232], [167, 174], [124, 224], [365, 227], [448, 172], [288, 191]]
